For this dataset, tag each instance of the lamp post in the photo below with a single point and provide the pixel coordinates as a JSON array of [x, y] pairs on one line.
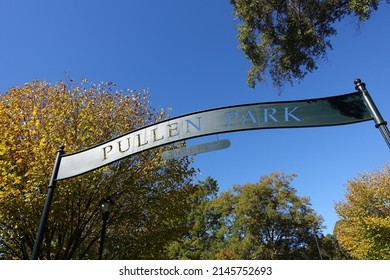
[[318, 245], [106, 208]]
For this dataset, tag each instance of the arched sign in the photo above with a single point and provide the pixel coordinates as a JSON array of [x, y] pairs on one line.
[[336, 110]]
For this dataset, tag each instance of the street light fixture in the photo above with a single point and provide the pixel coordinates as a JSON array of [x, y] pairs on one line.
[[106, 205]]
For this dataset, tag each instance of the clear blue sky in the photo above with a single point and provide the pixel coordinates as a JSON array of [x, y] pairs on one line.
[[186, 54]]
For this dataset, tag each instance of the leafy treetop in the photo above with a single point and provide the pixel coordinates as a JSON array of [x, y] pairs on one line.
[[285, 39]]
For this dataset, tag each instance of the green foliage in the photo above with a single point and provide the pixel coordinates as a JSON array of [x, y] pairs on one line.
[[201, 225], [285, 39], [266, 220], [331, 249], [38, 118], [364, 226]]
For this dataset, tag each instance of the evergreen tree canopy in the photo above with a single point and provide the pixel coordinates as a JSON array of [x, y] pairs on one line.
[[285, 39]]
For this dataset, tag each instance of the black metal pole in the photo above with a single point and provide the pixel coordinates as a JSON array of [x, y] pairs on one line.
[[380, 123], [46, 208], [318, 245], [103, 233]]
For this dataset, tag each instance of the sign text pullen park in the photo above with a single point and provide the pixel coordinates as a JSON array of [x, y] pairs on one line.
[[337, 110]]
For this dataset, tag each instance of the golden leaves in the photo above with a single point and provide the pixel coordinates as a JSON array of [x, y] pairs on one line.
[[364, 228], [38, 118]]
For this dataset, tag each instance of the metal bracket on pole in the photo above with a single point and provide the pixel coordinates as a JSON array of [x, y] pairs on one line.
[[380, 123], [46, 208]]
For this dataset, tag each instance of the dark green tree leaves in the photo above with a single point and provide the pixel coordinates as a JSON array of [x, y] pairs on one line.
[[266, 220], [284, 40]]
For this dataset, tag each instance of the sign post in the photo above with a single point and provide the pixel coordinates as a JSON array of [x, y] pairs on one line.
[[46, 208], [380, 123]]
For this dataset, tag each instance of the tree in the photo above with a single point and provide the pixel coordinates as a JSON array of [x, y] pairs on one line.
[[284, 39], [266, 220], [364, 226], [201, 226], [39, 117], [331, 249]]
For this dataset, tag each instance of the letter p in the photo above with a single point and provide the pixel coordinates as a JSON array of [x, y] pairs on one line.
[[106, 150]]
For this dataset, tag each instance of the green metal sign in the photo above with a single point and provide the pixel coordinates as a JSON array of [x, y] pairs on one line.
[[336, 110]]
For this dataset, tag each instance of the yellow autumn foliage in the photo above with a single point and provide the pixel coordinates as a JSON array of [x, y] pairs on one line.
[[364, 226], [35, 120]]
